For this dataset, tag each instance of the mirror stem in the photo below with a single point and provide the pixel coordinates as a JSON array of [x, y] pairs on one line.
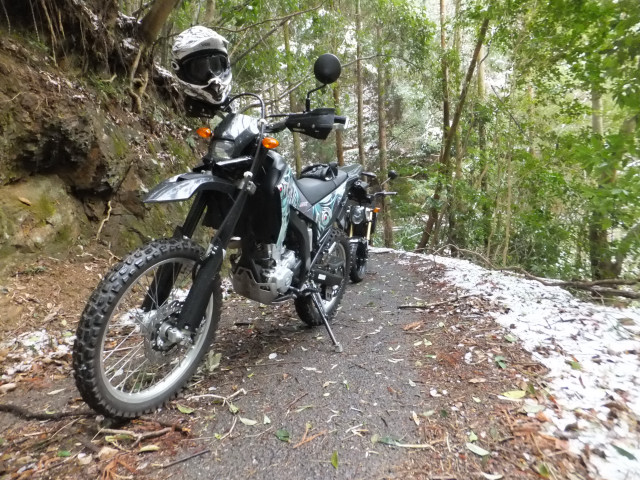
[[307, 102]]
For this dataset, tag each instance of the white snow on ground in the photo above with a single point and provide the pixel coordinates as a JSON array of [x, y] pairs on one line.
[[23, 351], [559, 329]]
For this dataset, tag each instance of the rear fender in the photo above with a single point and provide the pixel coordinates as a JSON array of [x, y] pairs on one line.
[[184, 186]]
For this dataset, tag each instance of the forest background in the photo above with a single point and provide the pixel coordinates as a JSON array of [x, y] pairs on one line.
[[513, 125]]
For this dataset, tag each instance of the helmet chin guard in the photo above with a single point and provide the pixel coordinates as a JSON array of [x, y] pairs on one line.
[[201, 63]]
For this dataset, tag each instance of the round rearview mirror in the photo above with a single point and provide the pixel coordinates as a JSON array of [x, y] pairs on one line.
[[393, 174], [327, 68]]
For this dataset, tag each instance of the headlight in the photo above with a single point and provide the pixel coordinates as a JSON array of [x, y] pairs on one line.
[[357, 215], [223, 149]]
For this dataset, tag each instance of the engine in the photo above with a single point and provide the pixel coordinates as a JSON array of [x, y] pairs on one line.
[[274, 268]]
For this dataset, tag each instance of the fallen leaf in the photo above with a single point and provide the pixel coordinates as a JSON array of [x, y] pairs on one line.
[[149, 448], [184, 409], [64, 453], [233, 409], [415, 418], [107, 453], [283, 435], [574, 364], [84, 459], [8, 387], [247, 421], [510, 338], [266, 420], [213, 361], [491, 476], [24, 200], [412, 326], [334, 459], [624, 452], [118, 437], [514, 394], [473, 437], [500, 361], [387, 440], [477, 449], [55, 392], [478, 380], [395, 360], [543, 470], [542, 417], [476, 399], [533, 408]]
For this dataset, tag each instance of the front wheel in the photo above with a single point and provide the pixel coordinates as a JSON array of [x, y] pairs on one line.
[[337, 261], [128, 357], [359, 256]]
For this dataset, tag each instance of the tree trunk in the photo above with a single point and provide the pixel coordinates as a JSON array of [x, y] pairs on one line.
[[359, 80], [445, 75], [433, 214], [599, 255], [382, 148], [154, 20], [454, 234], [482, 145], [507, 220], [297, 150], [209, 17]]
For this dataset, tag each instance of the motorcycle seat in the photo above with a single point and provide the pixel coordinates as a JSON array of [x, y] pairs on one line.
[[315, 190]]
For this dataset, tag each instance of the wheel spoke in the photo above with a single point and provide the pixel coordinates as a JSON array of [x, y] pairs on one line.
[[127, 359]]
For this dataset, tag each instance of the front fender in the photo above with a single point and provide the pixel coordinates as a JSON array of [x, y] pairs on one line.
[[184, 186]]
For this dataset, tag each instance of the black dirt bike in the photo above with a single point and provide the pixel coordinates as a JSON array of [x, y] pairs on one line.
[[149, 322], [361, 222]]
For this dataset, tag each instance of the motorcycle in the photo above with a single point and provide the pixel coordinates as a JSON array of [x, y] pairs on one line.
[[361, 221], [150, 321]]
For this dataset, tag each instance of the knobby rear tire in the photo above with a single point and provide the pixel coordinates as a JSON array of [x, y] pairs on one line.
[[304, 305], [111, 311]]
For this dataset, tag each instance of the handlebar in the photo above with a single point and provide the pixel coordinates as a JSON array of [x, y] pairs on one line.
[[339, 123], [384, 194]]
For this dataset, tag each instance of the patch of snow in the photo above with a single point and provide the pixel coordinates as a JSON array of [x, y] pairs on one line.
[[163, 72], [592, 353], [32, 347], [129, 44]]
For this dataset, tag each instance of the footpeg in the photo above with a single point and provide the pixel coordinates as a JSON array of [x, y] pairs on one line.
[[317, 301]]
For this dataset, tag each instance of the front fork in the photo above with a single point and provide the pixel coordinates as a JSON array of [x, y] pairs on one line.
[[198, 297]]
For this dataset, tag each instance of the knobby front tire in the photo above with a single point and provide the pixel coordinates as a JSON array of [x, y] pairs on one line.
[[124, 366], [359, 257]]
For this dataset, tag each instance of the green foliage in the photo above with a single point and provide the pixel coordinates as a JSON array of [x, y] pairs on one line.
[[532, 178]]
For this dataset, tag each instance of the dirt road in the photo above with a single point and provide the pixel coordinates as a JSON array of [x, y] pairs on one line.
[[404, 400]]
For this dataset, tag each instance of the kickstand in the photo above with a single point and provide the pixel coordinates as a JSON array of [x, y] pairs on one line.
[[317, 301]]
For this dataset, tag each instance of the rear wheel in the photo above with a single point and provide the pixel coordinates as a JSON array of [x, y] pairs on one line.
[[336, 261], [129, 358]]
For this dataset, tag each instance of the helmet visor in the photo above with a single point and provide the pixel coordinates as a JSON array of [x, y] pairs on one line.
[[200, 70]]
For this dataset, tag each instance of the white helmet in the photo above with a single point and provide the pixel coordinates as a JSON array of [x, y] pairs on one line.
[[200, 60]]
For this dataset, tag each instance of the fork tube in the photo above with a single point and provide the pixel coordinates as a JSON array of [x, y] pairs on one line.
[[193, 218]]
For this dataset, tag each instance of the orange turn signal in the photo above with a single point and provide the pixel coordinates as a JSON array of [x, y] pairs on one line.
[[376, 210], [204, 132], [270, 142]]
